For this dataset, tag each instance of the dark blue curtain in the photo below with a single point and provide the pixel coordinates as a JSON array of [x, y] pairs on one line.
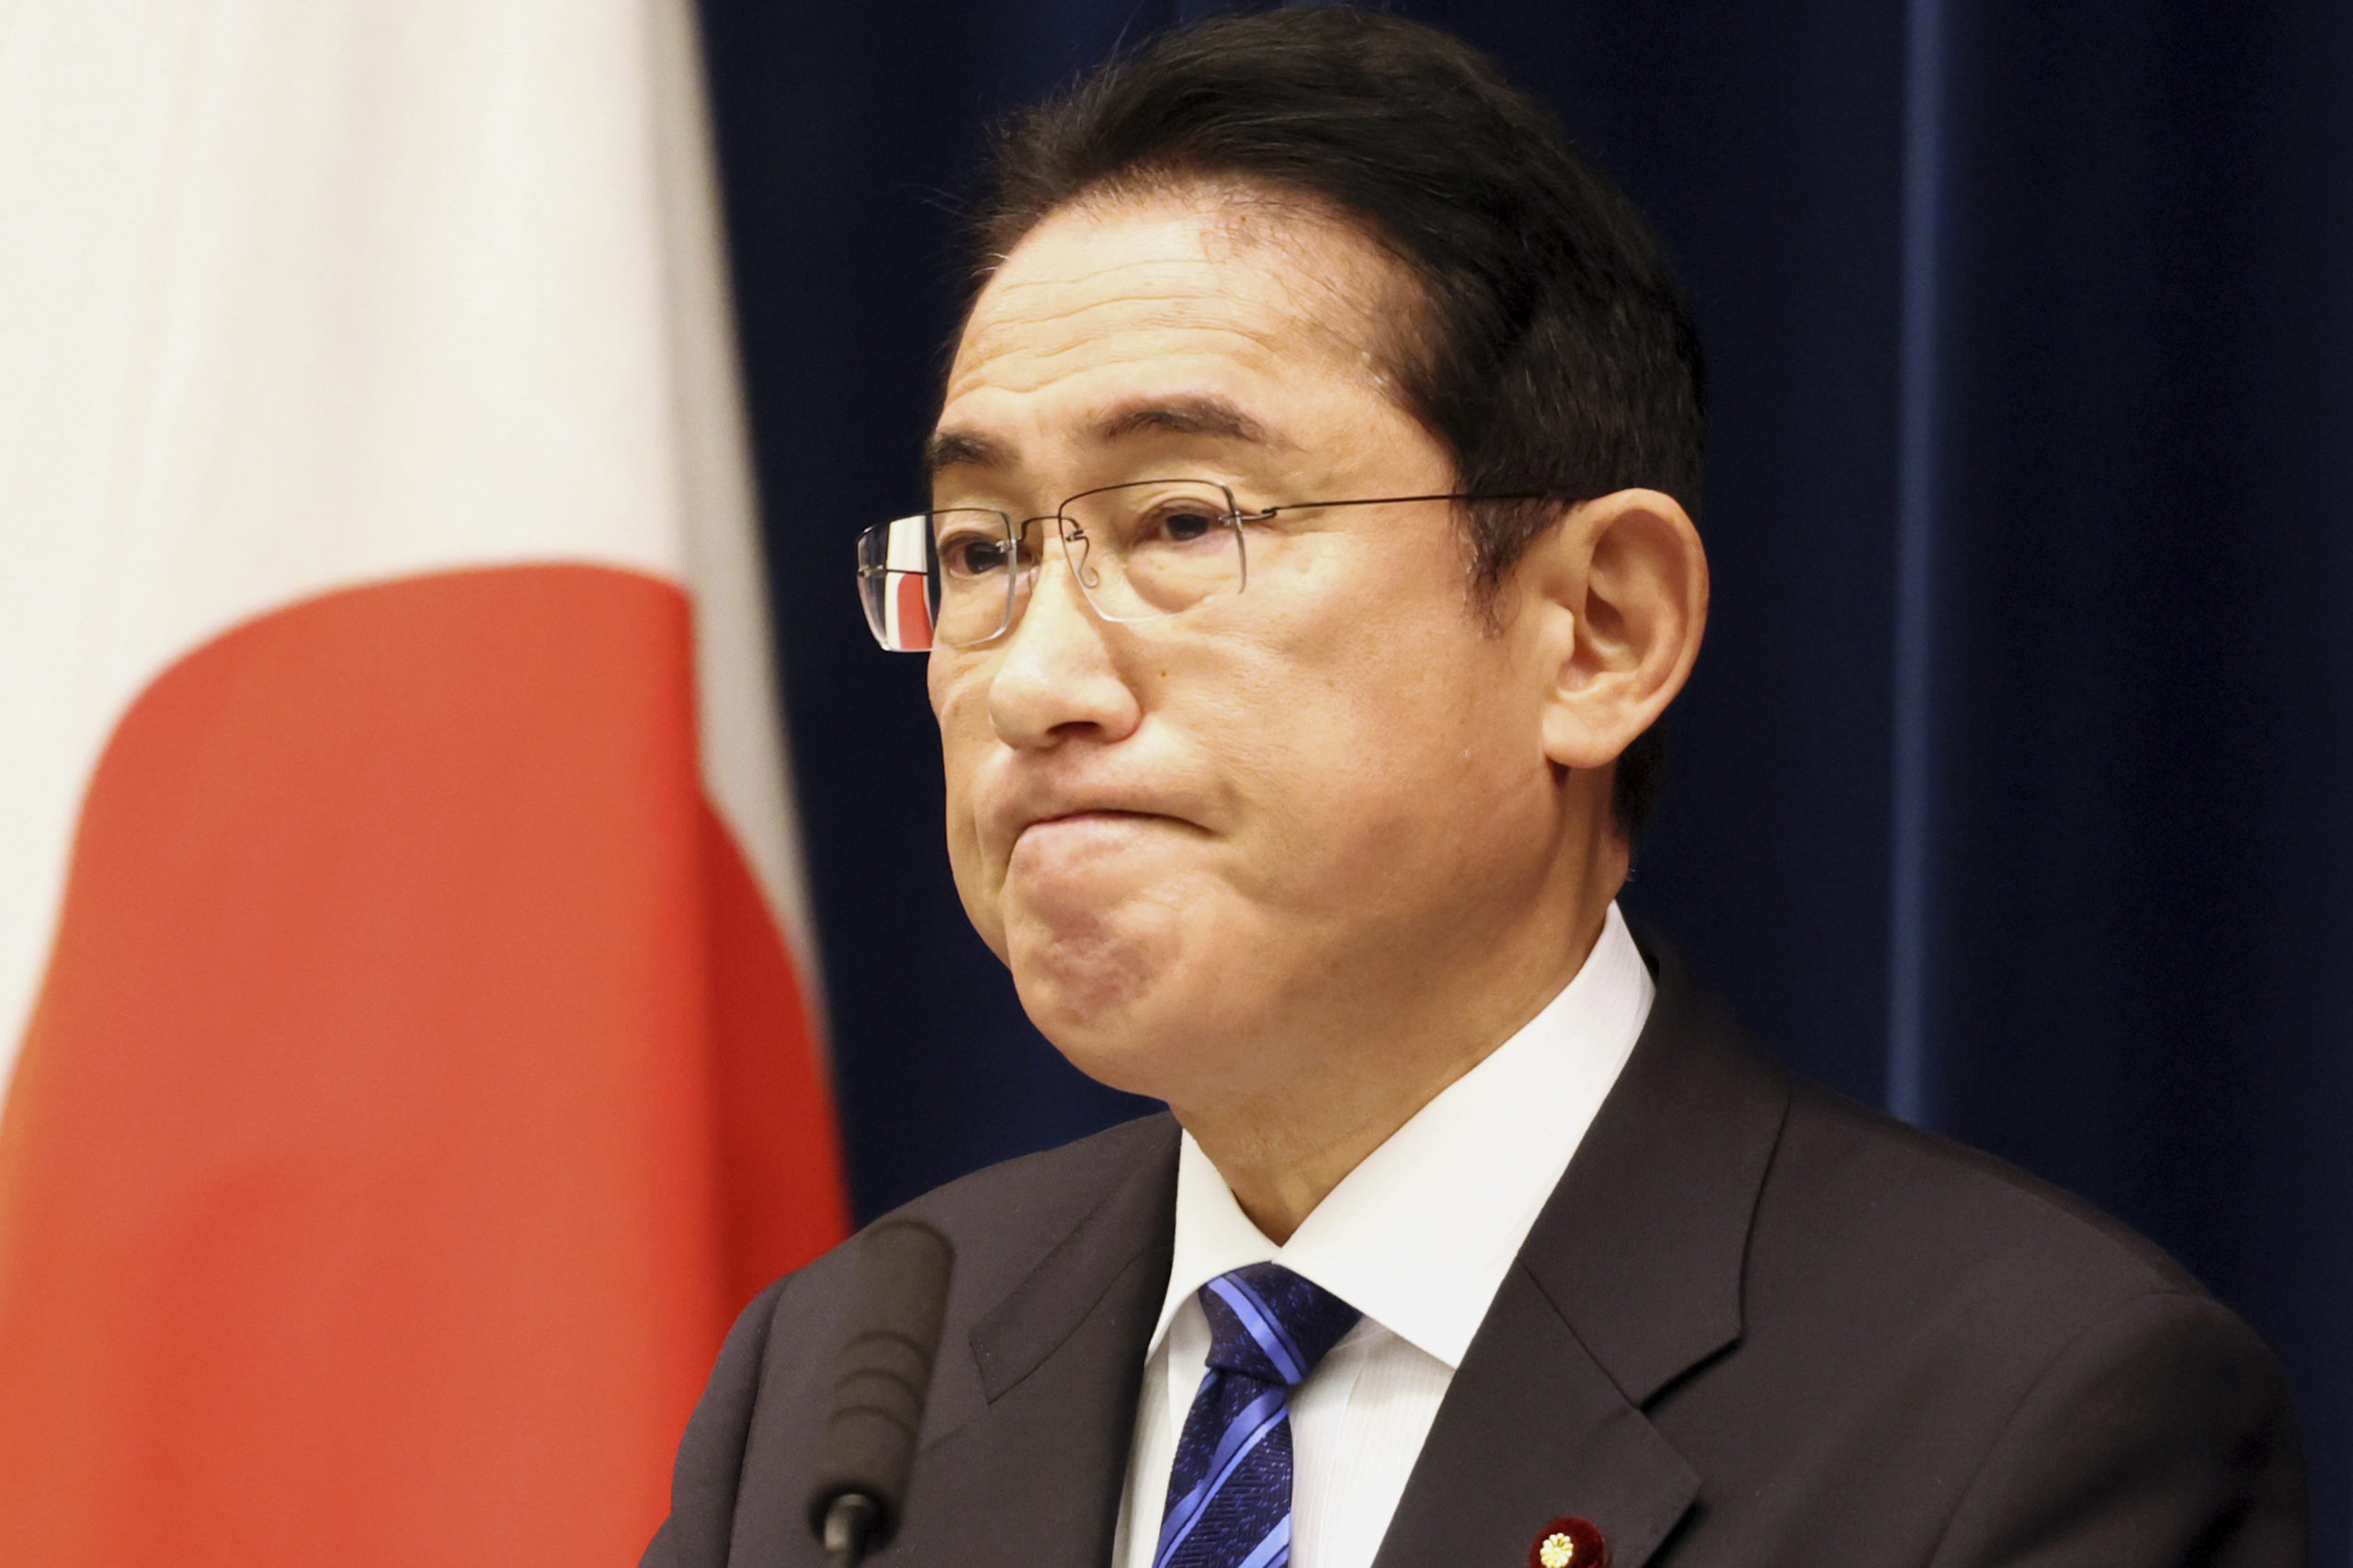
[[2015, 789]]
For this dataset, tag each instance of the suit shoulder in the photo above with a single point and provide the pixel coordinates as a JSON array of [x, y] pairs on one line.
[[1908, 1205]]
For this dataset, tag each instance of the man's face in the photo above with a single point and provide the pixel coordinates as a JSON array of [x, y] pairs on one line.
[[1216, 845]]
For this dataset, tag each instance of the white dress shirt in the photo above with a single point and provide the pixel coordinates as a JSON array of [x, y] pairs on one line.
[[1418, 1238]]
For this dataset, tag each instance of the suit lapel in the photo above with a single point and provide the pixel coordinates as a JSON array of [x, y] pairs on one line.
[[1629, 1277], [1533, 1428], [1034, 1479]]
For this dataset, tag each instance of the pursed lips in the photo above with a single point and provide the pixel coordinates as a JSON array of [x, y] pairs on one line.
[[1014, 801], [1079, 815]]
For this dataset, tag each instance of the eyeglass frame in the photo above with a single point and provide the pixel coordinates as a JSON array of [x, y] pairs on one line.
[[1233, 518]]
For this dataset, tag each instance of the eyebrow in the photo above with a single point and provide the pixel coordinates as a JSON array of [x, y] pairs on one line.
[[1205, 414], [960, 448]]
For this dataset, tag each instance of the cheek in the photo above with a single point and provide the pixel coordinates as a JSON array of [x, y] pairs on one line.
[[960, 707], [1384, 773], [965, 742]]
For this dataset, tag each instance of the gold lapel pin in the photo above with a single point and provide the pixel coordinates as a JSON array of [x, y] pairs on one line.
[[1569, 1543]]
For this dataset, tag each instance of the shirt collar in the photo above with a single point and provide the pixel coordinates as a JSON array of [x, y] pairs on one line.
[[1418, 1236]]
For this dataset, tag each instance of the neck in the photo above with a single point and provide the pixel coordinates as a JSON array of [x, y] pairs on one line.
[[1282, 1148]]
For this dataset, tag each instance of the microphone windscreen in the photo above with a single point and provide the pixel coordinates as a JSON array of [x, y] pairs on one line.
[[899, 1295]]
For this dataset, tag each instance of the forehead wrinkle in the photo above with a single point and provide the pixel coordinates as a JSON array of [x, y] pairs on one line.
[[1199, 309], [1026, 313], [1042, 362], [1005, 283], [1166, 287], [1076, 341], [1155, 308], [1166, 300]]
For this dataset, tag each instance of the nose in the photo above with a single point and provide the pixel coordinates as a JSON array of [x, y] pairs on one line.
[[1058, 679]]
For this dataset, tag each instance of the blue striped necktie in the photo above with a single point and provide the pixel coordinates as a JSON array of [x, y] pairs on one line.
[[1229, 1495]]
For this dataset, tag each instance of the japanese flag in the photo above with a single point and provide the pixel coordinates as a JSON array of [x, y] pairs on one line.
[[405, 997]]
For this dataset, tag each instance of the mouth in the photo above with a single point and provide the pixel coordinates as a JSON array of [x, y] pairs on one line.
[[1074, 838], [1094, 813], [1097, 818]]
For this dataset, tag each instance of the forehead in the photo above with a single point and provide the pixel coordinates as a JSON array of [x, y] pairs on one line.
[[1254, 302]]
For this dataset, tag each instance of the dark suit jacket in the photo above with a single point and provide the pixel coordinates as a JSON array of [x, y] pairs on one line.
[[1756, 1324]]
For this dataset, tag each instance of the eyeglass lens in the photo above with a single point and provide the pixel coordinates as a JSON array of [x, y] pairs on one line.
[[1138, 552]]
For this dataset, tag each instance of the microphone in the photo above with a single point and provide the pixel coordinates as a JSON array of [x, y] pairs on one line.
[[899, 1296]]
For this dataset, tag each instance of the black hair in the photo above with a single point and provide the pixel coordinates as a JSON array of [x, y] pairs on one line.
[[1554, 353]]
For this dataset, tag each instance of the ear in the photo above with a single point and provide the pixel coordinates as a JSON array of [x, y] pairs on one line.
[[1623, 583]]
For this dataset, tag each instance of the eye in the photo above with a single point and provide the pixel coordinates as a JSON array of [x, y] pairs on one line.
[[972, 552], [1184, 521]]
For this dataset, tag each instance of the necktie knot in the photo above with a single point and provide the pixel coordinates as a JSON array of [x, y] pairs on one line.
[[1267, 1324]]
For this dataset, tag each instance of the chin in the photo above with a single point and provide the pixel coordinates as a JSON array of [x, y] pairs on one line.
[[1115, 1060], [1109, 1000]]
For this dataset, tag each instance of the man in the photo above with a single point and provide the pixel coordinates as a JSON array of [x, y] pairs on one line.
[[1310, 559]]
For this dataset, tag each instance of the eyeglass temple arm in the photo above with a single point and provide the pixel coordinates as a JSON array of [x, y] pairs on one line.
[[1392, 500]]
